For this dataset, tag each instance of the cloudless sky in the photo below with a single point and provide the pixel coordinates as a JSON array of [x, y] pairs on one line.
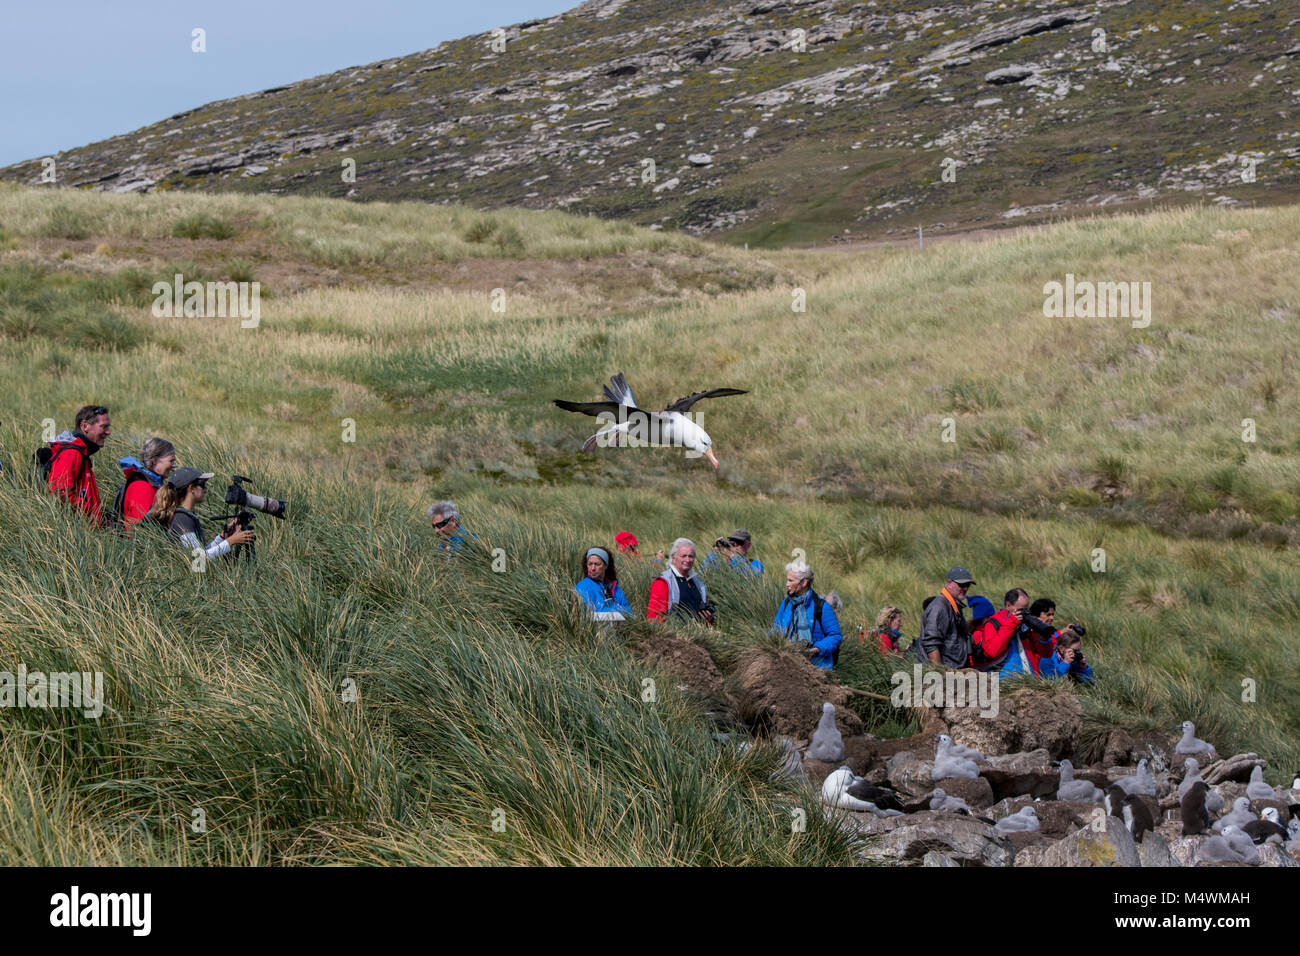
[[79, 71]]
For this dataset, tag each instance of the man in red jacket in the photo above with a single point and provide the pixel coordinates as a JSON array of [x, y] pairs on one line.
[[72, 476], [993, 639]]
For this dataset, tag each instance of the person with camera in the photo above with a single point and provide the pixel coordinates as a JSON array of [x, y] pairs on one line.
[[806, 618], [679, 591], [1068, 660], [182, 492], [1032, 648], [992, 638]]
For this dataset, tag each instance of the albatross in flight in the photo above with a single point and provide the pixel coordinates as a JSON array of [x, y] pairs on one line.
[[628, 424]]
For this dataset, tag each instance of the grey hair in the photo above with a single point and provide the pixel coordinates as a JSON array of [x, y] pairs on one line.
[[800, 569], [835, 601], [672, 552], [154, 449], [445, 508]]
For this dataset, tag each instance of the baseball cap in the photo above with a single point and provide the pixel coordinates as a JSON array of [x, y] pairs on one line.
[[182, 477], [740, 536], [960, 575], [625, 540]]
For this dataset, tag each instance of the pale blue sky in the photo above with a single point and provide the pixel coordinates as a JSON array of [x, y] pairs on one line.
[[83, 70]]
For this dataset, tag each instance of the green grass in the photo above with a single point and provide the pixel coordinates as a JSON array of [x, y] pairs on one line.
[[482, 690]]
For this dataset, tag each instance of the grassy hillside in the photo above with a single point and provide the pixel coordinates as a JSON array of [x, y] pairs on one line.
[[482, 689]]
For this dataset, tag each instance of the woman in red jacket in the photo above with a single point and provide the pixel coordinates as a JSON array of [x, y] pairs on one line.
[[144, 476]]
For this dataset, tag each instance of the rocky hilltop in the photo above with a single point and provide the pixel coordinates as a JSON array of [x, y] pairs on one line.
[[773, 121]]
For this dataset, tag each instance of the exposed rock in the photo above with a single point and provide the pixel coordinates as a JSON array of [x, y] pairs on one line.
[[976, 792], [910, 775], [1236, 768], [1011, 775], [1110, 846], [700, 159], [1028, 719], [1011, 30], [1154, 851], [1059, 818], [1009, 74], [934, 858], [1270, 854], [960, 838]]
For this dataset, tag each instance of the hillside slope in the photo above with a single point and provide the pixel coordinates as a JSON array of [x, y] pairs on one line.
[[773, 121]]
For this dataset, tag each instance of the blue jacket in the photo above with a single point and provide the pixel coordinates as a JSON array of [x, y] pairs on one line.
[[825, 634], [1050, 666], [737, 562], [599, 600]]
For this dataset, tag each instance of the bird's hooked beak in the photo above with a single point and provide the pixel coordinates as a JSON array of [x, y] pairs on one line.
[[713, 459]]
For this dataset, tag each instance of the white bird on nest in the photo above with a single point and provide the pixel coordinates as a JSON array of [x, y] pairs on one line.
[[628, 424]]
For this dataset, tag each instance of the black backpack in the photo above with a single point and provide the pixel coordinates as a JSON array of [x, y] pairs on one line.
[[115, 513], [43, 460]]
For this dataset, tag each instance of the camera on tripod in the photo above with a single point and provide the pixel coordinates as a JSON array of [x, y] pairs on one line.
[[238, 496]]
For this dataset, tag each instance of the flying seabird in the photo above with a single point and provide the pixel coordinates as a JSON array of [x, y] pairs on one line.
[[626, 422]]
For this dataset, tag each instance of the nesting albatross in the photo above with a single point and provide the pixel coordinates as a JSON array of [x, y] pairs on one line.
[[625, 423]]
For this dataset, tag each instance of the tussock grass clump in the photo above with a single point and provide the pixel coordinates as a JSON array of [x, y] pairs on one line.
[[203, 226]]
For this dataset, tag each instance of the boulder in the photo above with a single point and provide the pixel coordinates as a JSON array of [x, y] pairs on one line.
[[934, 858], [1059, 818], [1154, 851], [1257, 807], [780, 692], [1183, 849], [1049, 718], [1236, 768], [1110, 845], [962, 839], [1012, 775], [1270, 854], [700, 159], [1009, 74], [1022, 841], [976, 792], [910, 775], [1118, 748]]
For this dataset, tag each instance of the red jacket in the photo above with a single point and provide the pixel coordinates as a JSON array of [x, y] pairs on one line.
[[72, 477], [137, 501], [994, 636], [658, 600]]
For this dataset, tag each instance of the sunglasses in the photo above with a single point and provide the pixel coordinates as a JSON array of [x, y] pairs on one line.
[[443, 523]]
